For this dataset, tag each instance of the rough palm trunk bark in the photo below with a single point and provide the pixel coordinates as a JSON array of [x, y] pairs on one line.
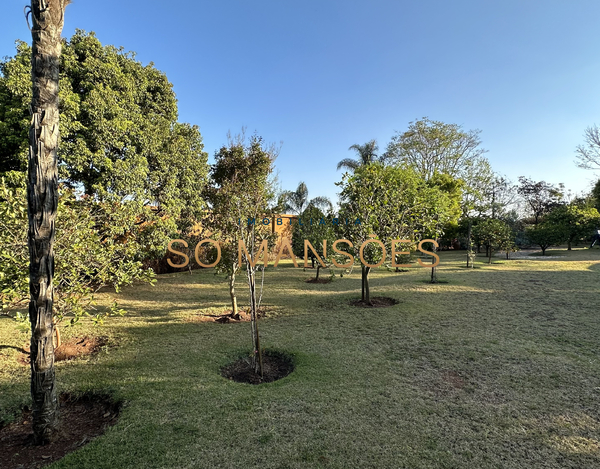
[[42, 200]]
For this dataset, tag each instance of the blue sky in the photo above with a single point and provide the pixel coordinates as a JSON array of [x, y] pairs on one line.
[[322, 75]]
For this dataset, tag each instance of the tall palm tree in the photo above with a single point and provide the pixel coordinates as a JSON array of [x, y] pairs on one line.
[[297, 201], [47, 18], [367, 154]]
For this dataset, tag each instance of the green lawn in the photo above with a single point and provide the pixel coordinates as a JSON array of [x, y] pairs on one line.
[[497, 368]]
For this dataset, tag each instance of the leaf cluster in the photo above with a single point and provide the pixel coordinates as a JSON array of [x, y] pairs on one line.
[[93, 249]]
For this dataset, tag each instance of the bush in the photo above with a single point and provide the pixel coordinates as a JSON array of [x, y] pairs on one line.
[[93, 249]]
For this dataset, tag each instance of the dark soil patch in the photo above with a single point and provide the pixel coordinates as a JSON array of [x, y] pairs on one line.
[[401, 270], [276, 365], [318, 280], [228, 317], [82, 418], [453, 379], [376, 302], [71, 348]]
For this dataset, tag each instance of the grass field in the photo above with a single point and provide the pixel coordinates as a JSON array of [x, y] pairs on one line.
[[497, 368]]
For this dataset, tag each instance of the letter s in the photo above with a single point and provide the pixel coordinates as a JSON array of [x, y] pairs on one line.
[[428, 252], [170, 249]]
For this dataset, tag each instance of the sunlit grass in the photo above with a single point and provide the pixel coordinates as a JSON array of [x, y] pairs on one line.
[[498, 368]]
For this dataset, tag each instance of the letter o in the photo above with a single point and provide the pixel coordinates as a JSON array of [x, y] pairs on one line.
[[362, 247], [267, 222], [218, 255]]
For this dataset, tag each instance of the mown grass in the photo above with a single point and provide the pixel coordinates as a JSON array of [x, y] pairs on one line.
[[498, 368]]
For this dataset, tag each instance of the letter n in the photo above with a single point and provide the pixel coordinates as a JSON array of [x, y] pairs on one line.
[[307, 245]]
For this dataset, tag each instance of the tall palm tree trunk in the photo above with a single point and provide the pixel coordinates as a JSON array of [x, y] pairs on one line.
[[42, 198]]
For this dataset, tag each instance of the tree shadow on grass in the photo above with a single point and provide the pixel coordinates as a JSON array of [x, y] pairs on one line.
[[18, 349]]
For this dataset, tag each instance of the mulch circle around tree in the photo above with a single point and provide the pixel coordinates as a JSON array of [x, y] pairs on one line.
[[71, 348], [318, 280], [81, 419], [376, 302], [276, 365]]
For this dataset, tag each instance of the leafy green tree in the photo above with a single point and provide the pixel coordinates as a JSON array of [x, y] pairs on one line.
[[391, 203], [119, 135], [297, 201], [575, 220], [434, 147], [545, 235], [367, 154], [541, 197], [443, 192], [238, 194], [92, 251], [321, 229], [495, 234]]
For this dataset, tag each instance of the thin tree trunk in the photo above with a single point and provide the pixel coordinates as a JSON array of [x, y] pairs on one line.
[[234, 307], [47, 18], [569, 245], [469, 244], [256, 352], [318, 269], [362, 281], [433, 270], [367, 298]]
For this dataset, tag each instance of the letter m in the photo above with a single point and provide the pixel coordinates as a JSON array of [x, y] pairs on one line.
[[253, 262]]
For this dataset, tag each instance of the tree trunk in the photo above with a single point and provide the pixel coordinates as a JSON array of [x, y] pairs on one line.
[[362, 281], [42, 198], [367, 298], [256, 352], [543, 251], [569, 245], [469, 243], [234, 307], [433, 270], [318, 269], [490, 256]]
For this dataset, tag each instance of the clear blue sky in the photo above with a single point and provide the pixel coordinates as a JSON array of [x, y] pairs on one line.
[[323, 75]]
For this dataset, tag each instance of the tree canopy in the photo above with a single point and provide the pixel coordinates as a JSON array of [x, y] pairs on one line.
[[120, 138]]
